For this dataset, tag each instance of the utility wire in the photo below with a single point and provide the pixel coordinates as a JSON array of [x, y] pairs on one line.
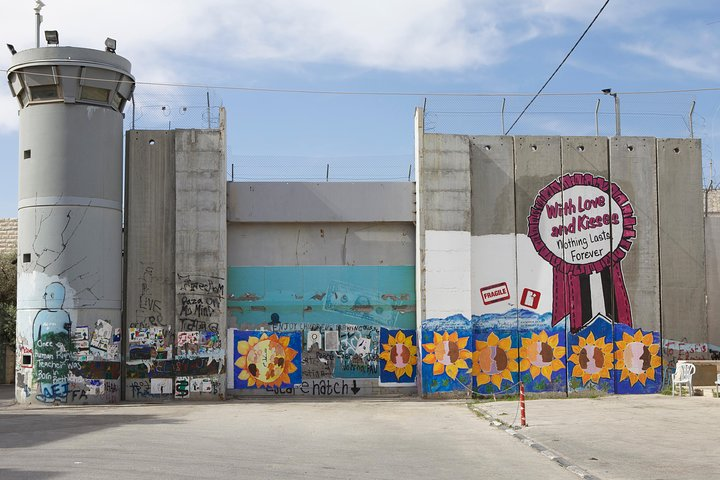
[[558, 67], [206, 86]]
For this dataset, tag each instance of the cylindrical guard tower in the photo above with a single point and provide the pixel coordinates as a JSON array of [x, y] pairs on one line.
[[69, 223]]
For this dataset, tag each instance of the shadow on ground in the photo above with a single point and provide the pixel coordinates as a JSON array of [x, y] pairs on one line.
[[12, 474], [20, 429]]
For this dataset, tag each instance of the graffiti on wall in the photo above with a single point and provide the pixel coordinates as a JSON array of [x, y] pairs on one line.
[[199, 301], [52, 346], [337, 311]]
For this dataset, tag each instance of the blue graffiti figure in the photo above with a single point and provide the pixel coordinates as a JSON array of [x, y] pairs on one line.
[[51, 341]]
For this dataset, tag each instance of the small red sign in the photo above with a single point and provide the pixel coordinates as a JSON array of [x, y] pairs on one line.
[[495, 293], [530, 298]]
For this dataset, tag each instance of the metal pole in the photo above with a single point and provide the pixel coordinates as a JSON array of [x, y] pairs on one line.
[[692, 109], [523, 421], [597, 127], [232, 172], [208, 108], [502, 118], [617, 114], [327, 173], [132, 99], [38, 20]]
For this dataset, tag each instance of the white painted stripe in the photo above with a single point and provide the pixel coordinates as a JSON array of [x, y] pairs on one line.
[[597, 295]]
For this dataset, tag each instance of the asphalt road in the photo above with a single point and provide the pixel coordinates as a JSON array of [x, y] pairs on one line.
[[371, 439]]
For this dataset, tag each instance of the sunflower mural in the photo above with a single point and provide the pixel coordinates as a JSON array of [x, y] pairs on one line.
[[398, 358], [446, 365], [590, 365], [542, 360], [263, 360], [637, 363], [494, 362]]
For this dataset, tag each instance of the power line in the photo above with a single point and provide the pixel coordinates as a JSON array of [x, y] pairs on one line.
[[559, 66], [205, 86]]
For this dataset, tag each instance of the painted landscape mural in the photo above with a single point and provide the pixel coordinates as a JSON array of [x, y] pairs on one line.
[[550, 307]]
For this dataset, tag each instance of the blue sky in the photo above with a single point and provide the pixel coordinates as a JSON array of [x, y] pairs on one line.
[[412, 46]]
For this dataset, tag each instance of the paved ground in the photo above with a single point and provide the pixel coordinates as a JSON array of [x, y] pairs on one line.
[[617, 437], [626, 436], [369, 439]]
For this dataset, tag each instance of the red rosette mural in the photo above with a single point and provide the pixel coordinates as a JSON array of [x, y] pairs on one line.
[[582, 225]]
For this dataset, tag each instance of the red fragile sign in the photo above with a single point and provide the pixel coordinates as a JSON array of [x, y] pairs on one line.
[[495, 293]]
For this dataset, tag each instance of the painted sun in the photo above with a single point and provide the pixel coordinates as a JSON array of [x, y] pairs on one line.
[[541, 355], [265, 361], [447, 353], [593, 359], [637, 357], [400, 355], [494, 360]]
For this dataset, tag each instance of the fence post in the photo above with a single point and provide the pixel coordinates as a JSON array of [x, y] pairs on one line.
[[523, 422]]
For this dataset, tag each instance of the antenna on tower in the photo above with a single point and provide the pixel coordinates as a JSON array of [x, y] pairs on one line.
[[38, 20]]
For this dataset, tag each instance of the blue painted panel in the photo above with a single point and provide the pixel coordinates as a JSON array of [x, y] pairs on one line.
[[446, 354], [495, 355], [591, 357], [638, 366]]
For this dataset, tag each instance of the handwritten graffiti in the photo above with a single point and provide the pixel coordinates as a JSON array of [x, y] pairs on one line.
[[331, 387], [52, 345]]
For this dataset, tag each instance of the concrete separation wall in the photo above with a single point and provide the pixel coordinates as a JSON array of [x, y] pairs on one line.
[[175, 269], [558, 262], [321, 282]]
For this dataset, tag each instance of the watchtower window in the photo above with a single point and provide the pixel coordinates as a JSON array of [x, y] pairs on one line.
[[44, 92], [95, 94]]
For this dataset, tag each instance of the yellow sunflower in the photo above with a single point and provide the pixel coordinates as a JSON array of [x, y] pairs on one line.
[[266, 361], [593, 359], [494, 360], [399, 354], [541, 355], [448, 354], [637, 357]]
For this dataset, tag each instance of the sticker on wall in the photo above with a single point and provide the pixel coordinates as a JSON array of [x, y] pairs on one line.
[[582, 224], [81, 343], [332, 341], [446, 361], [101, 338], [591, 359], [161, 386], [182, 387], [314, 337], [530, 298], [357, 355], [637, 360], [495, 293], [262, 360], [398, 358]]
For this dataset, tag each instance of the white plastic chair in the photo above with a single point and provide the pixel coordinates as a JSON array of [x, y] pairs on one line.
[[683, 376]]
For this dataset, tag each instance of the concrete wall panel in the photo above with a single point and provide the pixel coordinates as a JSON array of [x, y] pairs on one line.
[[277, 244], [712, 250], [445, 189], [682, 246], [493, 185], [321, 202], [537, 163], [633, 168]]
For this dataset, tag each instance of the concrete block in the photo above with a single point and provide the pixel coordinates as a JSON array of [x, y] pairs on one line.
[[492, 165]]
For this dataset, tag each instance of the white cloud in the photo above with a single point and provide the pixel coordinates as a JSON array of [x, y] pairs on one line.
[[203, 41]]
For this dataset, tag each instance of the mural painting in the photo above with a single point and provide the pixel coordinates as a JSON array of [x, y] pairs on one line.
[[52, 346], [398, 359], [263, 360], [591, 359], [338, 313], [495, 356], [558, 317], [447, 354]]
